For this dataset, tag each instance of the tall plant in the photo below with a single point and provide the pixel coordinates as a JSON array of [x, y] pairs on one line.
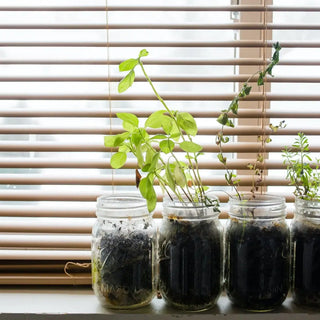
[[226, 119], [155, 154]]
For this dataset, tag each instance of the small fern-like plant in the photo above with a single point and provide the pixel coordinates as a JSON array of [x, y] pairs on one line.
[[302, 172]]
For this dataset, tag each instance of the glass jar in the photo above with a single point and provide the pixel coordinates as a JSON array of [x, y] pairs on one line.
[[257, 252], [190, 255], [123, 252], [305, 232]]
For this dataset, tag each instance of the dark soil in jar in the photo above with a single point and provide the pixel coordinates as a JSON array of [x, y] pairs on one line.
[[258, 265], [125, 269], [306, 264], [190, 256]]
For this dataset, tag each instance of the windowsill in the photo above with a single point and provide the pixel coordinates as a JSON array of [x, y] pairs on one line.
[[79, 303]]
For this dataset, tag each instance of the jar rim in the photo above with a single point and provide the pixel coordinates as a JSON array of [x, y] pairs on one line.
[[190, 210], [309, 203], [263, 206], [307, 208], [121, 205]]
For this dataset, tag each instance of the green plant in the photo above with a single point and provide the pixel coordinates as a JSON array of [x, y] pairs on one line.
[[303, 174], [155, 154], [226, 119]]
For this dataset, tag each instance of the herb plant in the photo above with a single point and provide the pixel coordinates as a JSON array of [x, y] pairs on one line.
[[155, 154], [301, 171], [226, 120]]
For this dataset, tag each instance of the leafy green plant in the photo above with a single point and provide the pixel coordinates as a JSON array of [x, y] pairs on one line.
[[155, 154], [302, 171], [226, 119]]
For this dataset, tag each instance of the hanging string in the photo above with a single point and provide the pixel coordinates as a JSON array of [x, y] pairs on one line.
[[85, 265], [109, 88], [264, 102]]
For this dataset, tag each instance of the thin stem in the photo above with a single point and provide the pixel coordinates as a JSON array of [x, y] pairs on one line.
[[198, 181]]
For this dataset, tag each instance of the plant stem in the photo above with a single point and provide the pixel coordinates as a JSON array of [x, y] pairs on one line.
[[197, 179]]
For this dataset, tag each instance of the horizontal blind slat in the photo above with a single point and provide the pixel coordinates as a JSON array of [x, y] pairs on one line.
[[162, 44], [160, 26], [102, 113], [54, 179], [45, 241], [268, 8], [65, 147], [44, 279], [76, 211], [165, 96], [50, 225], [130, 164], [67, 255], [157, 78], [104, 130], [168, 61]]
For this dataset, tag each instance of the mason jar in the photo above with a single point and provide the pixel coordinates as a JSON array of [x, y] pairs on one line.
[[190, 255], [305, 232], [123, 252], [257, 252]]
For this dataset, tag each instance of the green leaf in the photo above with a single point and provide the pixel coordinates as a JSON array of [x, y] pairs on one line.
[[189, 146], [139, 155], [159, 137], [187, 123], [149, 155], [136, 138], [146, 187], [260, 80], [109, 141], [146, 168], [128, 65], [126, 82], [234, 106], [179, 177], [221, 158], [169, 177], [118, 160], [143, 53], [120, 138], [155, 119], [124, 148], [223, 118], [116, 140], [175, 132], [166, 146], [147, 191], [129, 117], [247, 89], [230, 123], [167, 124], [154, 162], [151, 203], [138, 135]]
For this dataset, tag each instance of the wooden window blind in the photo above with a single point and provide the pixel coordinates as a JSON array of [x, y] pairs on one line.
[[58, 98]]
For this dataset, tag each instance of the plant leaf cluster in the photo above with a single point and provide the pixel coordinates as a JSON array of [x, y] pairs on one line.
[[302, 171], [155, 154], [226, 119]]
